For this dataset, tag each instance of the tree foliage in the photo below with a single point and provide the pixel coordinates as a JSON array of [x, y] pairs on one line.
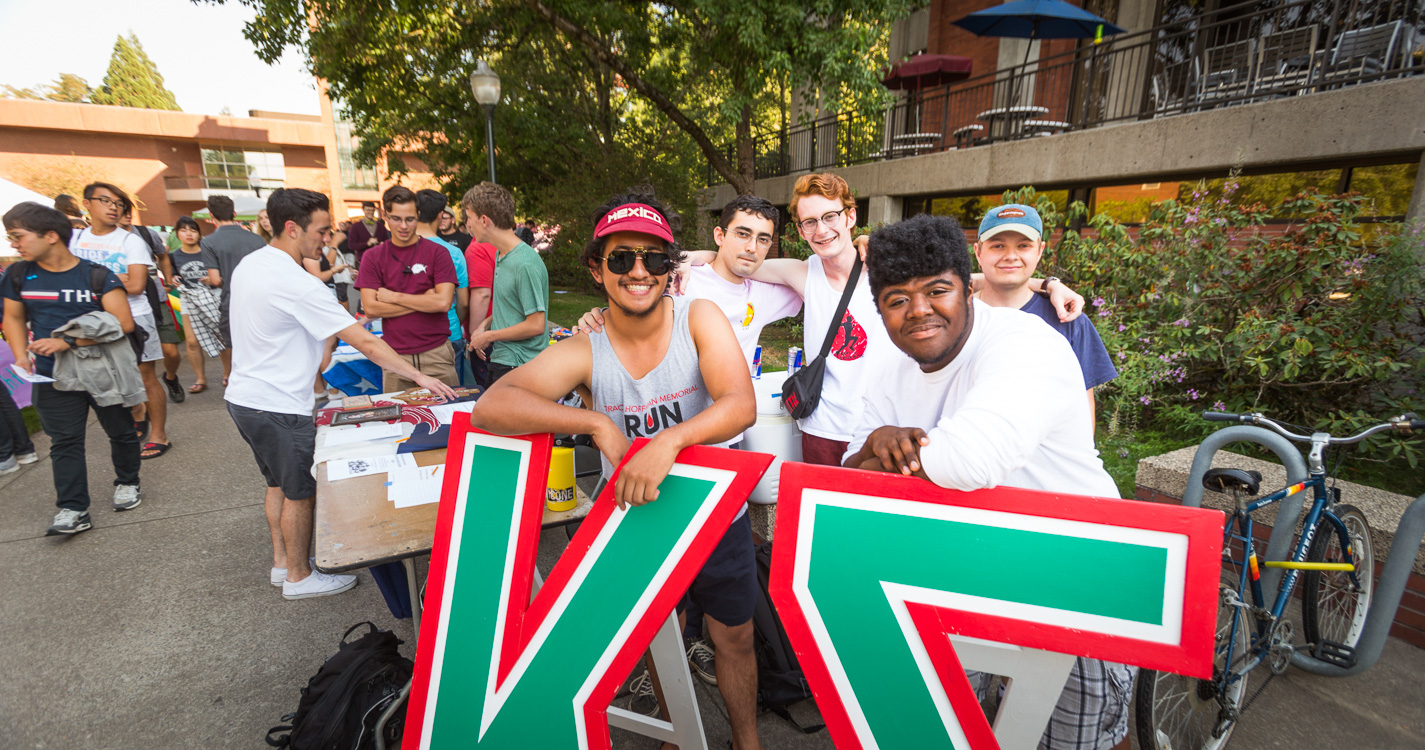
[[132, 79], [710, 68], [67, 88]]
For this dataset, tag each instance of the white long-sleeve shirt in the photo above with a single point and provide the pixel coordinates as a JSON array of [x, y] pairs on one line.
[[1008, 410]]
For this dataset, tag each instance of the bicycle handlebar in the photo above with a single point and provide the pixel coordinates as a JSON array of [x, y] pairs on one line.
[[1404, 423]]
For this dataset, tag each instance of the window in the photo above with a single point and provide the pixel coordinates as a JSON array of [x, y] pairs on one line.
[[1387, 189], [235, 169], [353, 177]]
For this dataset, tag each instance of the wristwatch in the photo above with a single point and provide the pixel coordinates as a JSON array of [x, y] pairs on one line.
[[69, 340], [1044, 288]]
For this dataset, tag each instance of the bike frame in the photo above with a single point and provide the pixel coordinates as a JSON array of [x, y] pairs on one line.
[[1250, 569]]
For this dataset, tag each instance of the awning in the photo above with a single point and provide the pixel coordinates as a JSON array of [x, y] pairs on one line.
[[926, 71]]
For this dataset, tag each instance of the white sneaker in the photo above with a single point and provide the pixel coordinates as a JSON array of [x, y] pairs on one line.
[[317, 584], [127, 496], [9, 465], [27, 458], [279, 575]]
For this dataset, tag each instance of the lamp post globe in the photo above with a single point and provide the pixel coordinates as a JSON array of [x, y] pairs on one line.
[[485, 85]]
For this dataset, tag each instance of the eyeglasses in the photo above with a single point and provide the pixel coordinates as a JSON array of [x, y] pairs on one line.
[[656, 262], [746, 237], [809, 225], [111, 202], [400, 219]]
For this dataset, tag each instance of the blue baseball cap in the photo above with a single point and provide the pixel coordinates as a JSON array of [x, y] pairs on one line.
[[1012, 217]]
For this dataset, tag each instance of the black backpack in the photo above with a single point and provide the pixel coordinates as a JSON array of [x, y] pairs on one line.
[[97, 274], [342, 702], [780, 681]]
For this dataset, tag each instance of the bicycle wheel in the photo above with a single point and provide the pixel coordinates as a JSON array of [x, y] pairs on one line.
[[1174, 712], [1333, 609]]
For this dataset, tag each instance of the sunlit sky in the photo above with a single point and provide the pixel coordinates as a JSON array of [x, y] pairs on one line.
[[198, 48]]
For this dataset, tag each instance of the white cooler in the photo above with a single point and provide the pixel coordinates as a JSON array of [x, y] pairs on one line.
[[775, 433]]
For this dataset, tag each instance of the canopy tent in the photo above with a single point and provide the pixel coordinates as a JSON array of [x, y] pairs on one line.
[[245, 208], [12, 194]]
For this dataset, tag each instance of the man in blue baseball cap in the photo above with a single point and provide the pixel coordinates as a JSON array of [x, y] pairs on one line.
[[1009, 247]]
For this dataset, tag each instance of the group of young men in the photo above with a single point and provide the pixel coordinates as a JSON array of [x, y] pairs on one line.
[[923, 378]]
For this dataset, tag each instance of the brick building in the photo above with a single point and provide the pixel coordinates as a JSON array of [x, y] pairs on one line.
[[171, 162]]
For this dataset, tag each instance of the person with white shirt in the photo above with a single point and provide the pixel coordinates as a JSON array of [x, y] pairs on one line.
[[980, 397], [281, 318], [128, 256]]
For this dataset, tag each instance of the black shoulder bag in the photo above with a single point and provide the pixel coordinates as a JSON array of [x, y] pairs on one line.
[[802, 391]]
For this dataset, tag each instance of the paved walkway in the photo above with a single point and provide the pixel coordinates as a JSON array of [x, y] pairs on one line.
[[159, 629]]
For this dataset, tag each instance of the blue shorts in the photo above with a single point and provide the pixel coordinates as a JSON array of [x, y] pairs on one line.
[[726, 587]]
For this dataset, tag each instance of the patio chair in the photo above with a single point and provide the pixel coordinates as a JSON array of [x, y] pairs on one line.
[[1045, 127], [1226, 72], [1365, 52], [967, 135], [1287, 63]]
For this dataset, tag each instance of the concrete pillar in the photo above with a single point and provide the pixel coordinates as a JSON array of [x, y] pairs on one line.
[[1416, 212], [884, 209]]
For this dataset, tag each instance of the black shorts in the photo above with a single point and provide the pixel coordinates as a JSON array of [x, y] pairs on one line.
[[283, 445], [726, 587]]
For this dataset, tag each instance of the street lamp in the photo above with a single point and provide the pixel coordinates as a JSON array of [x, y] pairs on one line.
[[485, 84]]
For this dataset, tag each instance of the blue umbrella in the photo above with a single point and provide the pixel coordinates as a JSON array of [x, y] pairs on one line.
[[1037, 19]]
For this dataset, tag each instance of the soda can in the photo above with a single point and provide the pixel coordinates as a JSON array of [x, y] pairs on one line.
[[801, 354], [757, 363]]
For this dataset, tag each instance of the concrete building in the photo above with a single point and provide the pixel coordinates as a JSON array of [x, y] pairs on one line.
[[1295, 94], [171, 162]]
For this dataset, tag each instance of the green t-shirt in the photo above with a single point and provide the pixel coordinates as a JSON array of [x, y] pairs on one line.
[[521, 289]]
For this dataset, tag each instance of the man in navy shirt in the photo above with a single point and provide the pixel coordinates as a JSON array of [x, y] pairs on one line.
[[55, 288], [1008, 248]]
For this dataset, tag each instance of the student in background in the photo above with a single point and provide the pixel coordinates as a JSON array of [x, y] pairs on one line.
[[201, 315]]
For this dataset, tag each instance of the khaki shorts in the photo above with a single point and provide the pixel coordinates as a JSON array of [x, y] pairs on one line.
[[438, 363]]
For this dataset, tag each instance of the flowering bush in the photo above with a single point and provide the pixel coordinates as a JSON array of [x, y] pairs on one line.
[[1208, 306]]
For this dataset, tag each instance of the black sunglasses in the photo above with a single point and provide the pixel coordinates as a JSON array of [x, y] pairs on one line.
[[621, 261]]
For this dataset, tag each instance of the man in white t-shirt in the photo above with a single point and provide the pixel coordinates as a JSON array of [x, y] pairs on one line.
[[281, 318], [988, 396], [106, 243]]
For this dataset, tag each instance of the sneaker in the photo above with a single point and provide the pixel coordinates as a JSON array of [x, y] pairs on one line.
[[69, 522], [27, 458], [9, 465], [175, 389], [279, 575], [127, 496], [702, 660], [644, 700], [317, 584]]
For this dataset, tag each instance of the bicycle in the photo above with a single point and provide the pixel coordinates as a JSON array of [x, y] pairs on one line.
[[1332, 556]]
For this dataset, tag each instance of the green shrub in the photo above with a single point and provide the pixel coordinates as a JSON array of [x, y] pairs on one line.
[[1206, 306]]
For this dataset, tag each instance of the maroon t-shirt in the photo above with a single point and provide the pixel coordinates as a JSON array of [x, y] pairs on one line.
[[410, 270]]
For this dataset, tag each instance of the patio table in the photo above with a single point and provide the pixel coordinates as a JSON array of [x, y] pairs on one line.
[[1008, 122]]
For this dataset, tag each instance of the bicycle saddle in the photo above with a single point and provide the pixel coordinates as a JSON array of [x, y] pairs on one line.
[[1224, 480]]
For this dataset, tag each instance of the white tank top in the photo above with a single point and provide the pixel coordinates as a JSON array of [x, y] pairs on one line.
[[861, 340]]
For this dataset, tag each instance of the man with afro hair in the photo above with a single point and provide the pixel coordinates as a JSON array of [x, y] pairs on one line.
[[984, 397]]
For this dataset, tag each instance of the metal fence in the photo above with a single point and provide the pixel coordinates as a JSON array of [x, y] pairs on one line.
[[1246, 53]]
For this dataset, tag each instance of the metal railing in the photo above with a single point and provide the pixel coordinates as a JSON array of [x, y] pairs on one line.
[[1227, 57], [201, 182]]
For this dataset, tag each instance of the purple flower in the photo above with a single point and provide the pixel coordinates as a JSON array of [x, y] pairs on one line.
[[1098, 302], [1194, 395], [1145, 400], [1122, 355], [1103, 313], [1122, 327], [1123, 453], [1181, 322], [1219, 406]]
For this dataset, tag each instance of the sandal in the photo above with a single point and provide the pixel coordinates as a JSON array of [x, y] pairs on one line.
[[197, 387], [142, 426], [158, 449]]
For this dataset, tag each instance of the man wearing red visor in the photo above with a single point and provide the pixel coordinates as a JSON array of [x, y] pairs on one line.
[[665, 368]]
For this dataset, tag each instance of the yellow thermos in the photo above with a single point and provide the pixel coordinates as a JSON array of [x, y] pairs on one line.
[[560, 495]]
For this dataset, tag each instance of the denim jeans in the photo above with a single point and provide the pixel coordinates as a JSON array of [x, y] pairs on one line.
[[14, 437], [64, 415]]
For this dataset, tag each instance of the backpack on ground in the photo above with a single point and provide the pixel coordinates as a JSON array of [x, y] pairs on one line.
[[342, 702], [17, 272], [780, 681]]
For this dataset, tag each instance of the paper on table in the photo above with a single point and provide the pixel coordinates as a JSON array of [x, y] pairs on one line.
[[445, 413], [347, 468], [414, 486], [28, 378], [361, 433]]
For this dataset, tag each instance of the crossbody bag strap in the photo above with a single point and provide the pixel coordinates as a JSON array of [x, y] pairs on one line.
[[841, 308]]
